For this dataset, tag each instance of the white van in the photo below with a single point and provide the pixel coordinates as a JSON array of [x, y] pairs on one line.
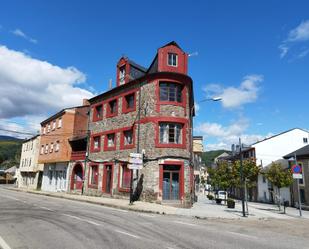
[[222, 195]]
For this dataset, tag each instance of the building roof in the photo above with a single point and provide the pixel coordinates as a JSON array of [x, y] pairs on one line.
[[134, 64], [60, 113], [171, 43], [302, 152], [31, 138], [279, 135]]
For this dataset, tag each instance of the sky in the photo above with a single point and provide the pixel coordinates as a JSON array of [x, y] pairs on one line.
[[253, 54]]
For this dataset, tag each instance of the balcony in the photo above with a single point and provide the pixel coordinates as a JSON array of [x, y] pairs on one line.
[[78, 155]]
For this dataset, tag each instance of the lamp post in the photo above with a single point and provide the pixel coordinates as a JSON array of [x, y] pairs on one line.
[[191, 130]]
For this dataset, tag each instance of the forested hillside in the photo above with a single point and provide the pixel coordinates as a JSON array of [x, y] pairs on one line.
[[10, 150]]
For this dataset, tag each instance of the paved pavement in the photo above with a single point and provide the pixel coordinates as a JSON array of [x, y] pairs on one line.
[[202, 209], [36, 221]]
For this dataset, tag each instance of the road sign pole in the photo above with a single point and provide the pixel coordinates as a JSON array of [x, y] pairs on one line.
[[298, 190]]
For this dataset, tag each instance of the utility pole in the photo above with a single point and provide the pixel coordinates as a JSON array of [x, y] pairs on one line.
[[242, 180], [87, 150]]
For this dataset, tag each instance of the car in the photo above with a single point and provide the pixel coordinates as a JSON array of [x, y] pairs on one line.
[[221, 195]]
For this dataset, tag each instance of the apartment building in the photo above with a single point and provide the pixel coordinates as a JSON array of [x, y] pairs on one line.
[[55, 149], [149, 111]]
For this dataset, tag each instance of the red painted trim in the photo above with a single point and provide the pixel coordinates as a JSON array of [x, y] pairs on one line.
[[108, 110], [120, 189], [106, 148], [122, 145], [97, 176], [181, 177], [94, 111], [92, 149], [104, 177], [124, 102], [183, 122], [123, 62], [72, 174]]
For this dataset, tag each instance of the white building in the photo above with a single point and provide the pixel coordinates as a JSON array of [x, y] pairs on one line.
[[29, 168], [272, 149]]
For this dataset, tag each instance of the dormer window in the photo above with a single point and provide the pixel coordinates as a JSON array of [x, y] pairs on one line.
[[122, 75], [172, 59]]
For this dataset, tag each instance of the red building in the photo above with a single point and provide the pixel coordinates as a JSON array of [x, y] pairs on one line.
[[150, 111]]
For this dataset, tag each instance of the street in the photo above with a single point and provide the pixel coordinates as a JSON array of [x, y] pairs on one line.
[[32, 221]]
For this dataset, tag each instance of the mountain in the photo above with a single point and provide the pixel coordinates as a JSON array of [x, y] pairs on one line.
[[9, 138], [209, 156], [10, 150]]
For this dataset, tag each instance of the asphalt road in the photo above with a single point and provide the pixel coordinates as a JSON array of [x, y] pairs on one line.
[[34, 221]]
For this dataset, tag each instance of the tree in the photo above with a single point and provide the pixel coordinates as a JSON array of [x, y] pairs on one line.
[[250, 172], [279, 177], [221, 176]]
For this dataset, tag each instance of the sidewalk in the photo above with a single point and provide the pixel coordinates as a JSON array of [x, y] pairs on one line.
[[203, 209]]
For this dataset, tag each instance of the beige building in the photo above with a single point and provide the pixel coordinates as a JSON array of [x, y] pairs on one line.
[[29, 168]]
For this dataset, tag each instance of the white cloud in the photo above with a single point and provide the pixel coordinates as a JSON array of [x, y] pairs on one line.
[[233, 97], [225, 136], [20, 33], [296, 35], [29, 86]]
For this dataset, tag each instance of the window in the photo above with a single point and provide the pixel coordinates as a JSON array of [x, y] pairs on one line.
[[59, 122], [128, 137], [172, 59], [93, 175], [170, 133], [170, 92], [305, 140], [110, 140], [98, 112], [48, 128], [31, 145], [264, 179], [46, 148], [51, 148], [57, 146], [29, 161], [44, 130], [122, 75], [130, 101], [42, 149], [50, 177], [124, 177], [112, 108], [96, 143], [54, 124]]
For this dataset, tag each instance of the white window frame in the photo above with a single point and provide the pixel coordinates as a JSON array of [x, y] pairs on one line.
[[48, 128], [174, 59], [54, 124], [59, 122], [46, 148], [51, 148], [42, 149], [126, 140], [57, 146], [111, 142], [122, 75], [96, 142], [164, 129]]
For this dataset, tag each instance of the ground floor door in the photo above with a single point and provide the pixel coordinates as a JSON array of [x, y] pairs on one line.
[[170, 184], [77, 177], [107, 181], [40, 177]]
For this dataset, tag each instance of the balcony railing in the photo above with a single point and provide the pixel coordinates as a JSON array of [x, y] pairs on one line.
[[78, 155]]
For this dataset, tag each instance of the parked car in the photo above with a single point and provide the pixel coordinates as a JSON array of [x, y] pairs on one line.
[[222, 195]]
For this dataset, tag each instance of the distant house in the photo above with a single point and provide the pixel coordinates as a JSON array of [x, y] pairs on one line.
[[302, 156], [198, 150], [272, 149]]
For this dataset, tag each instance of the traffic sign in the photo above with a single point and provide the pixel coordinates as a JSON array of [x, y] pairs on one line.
[[296, 169], [297, 176], [135, 166]]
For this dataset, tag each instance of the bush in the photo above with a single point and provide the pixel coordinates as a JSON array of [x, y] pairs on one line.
[[210, 197], [230, 203]]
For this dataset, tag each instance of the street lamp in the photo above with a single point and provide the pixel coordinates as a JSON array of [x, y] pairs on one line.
[[211, 99]]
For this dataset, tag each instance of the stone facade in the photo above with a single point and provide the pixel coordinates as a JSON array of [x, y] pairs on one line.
[[106, 169]]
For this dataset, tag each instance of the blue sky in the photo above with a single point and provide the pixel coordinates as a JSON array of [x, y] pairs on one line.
[[255, 54]]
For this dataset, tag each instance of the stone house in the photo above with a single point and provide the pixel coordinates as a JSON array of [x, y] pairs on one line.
[[149, 111], [58, 132]]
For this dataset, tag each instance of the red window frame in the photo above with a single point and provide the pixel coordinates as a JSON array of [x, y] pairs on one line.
[[180, 121], [96, 176], [95, 113], [109, 148], [125, 109], [122, 138], [92, 143], [108, 109], [128, 173]]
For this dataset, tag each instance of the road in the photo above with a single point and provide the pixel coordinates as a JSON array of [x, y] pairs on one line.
[[34, 221]]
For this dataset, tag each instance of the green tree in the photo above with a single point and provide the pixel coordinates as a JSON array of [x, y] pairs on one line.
[[250, 173], [221, 176], [279, 177]]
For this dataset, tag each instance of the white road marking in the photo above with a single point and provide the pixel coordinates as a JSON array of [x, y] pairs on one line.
[[3, 244], [147, 215], [12, 198], [128, 234], [81, 219], [243, 235], [184, 223], [47, 208]]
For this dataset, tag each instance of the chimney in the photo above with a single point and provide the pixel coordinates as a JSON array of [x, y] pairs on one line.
[[110, 84], [86, 102]]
